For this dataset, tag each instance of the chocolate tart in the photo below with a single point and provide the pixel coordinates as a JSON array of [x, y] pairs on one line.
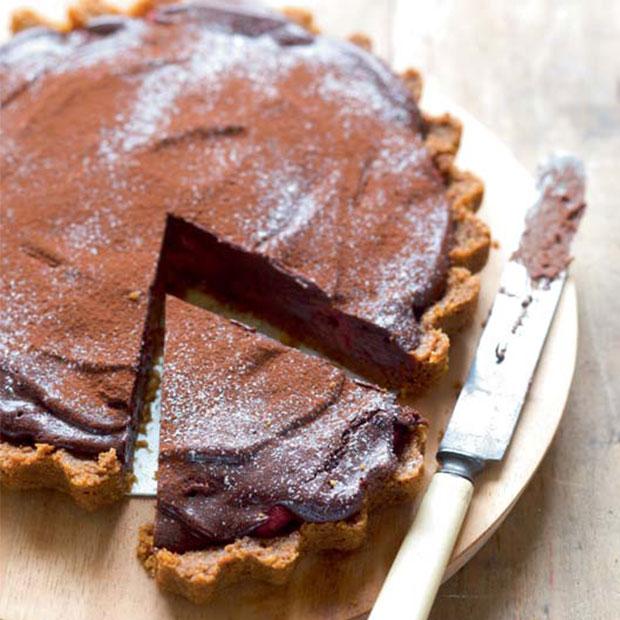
[[265, 451], [233, 150]]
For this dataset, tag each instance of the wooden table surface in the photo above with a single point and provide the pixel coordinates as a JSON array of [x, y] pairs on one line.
[[543, 75]]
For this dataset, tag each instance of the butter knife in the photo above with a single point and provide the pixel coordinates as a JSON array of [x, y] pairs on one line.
[[488, 407]]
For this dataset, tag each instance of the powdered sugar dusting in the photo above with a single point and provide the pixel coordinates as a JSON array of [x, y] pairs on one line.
[[204, 61], [292, 200], [404, 272]]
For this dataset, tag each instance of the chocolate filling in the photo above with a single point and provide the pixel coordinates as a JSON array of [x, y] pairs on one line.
[[291, 171]]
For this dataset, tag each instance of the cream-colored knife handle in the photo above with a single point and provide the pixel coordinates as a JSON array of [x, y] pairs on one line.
[[416, 574]]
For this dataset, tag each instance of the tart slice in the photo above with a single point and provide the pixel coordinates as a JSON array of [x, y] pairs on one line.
[[265, 451]]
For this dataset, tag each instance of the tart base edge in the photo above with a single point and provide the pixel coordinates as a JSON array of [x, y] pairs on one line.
[[198, 575], [92, 482]]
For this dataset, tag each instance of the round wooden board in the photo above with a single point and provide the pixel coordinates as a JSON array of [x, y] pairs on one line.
[[60, 562]]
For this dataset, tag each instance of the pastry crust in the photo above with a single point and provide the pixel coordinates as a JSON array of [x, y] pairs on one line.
[[25, 17], [197, 575], [91, 482], [81, 12], [78, 14]]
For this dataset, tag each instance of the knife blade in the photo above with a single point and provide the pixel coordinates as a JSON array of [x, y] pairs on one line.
[[488, 407]]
